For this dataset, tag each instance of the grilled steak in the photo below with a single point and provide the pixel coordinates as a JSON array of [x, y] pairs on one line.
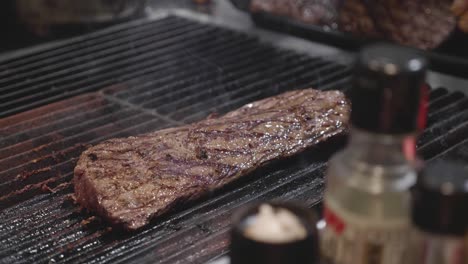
[[128, 181]]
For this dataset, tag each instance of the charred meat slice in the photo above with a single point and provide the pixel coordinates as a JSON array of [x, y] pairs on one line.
[[460, 9], [317, 12], [128, 181], [422, 24]]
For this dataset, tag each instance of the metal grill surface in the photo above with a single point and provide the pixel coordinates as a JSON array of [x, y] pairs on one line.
[[140, 77]]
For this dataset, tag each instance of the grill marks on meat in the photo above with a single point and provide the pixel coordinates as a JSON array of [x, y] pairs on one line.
[[128, 181]]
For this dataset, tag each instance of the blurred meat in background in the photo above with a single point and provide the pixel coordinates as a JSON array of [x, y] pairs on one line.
[[319, 12], [460, 9], [423, 24]]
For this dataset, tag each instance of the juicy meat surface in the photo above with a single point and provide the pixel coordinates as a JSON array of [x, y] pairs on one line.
[[129, 181]]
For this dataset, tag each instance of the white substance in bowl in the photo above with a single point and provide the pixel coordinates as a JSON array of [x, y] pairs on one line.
[[272, 225]]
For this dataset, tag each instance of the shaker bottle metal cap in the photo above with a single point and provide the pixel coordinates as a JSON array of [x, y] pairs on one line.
[[440, 199], [387, 89]]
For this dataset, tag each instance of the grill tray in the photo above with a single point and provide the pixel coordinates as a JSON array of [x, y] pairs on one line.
[[143, 76]]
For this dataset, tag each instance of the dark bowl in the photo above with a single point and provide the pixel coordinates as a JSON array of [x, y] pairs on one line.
[[248, 251]]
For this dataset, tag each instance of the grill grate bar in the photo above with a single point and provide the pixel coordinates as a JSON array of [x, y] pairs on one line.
[[277, 77], [48, 203], [31, 235], [29, 207], [94, 39], [96, 60], [444, 142], [66, 237], [85, 53], [214, 240], [179, 100], [51, 127], [139, 92], [33, 189], [440, 129], [62, 138], [436, 93], [54, 117], [459, 152], [101, 65], [443, 101], [238, 98], [105, 76], [446, 112], [40, 176], [49, 161], [44, 114], [240, 64], [217, 242], [42, 133]]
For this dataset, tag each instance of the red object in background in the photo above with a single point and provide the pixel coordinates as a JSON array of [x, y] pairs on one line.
[[423, 107], [334, 221], [202, 2], [409, 144]]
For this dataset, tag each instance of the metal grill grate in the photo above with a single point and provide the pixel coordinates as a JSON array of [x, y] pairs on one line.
[[150, 75]]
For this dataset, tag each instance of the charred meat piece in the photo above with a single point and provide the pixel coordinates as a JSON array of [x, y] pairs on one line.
[[421, 24], [128, 181], [355, 18], [317, 12], [460, 9]]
